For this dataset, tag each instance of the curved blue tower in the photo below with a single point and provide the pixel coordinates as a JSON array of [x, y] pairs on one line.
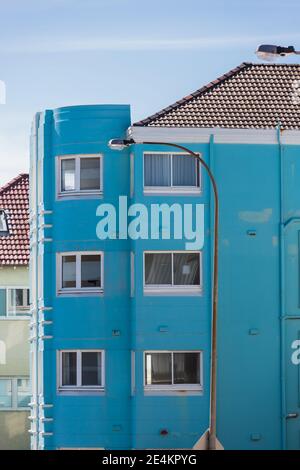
[[80, 285], [121, 324]]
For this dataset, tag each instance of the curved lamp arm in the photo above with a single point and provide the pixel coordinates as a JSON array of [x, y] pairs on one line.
[[120, 144]]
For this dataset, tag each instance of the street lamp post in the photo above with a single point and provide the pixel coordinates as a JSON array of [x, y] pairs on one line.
[[208, 440], [271, 53]]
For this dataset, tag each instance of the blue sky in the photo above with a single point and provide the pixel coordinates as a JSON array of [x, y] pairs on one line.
[[148, 53]]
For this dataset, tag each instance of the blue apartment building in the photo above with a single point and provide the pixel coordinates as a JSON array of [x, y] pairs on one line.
[[120, 329]]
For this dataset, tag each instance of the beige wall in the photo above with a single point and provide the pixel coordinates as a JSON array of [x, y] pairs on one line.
[[14, 333], [14, 433], [14, 276]]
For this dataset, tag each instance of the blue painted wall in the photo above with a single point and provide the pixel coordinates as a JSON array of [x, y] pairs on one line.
[[186, 322], [249, 296], [249, 393], [87, 322], [254, 205]]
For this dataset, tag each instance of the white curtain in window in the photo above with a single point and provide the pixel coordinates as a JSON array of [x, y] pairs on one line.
[[68, 174], [184, 170], [69, 361], [161, 369], [157, 170], [69, 271], [90, 173]]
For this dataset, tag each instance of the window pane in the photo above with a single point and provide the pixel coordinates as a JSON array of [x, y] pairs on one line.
[[157, 170], [91, 368], [185, 171], [90, 271], [69, 271], [2, 302], [5, 393], [186, 269], [23, 391], [186, 368], [16, 297], [158, 268], [69, 361], [158, 369], [89, 173], [18, 302], [68, 174]]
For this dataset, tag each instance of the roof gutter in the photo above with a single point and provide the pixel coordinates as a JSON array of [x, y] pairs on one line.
[[221, 135]]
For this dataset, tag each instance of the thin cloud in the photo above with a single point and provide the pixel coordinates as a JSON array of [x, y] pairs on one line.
[[62, 45]]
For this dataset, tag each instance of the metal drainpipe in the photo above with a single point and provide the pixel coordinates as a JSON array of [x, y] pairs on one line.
[[211, 215], [36, 285], [35, 261], [212, 435], [282, 292]]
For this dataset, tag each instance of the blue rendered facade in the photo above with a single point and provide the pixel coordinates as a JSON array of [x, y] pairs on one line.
[[258, 294]]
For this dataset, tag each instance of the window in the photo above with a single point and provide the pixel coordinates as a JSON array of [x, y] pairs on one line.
[[81, 370], [5, 393], [14, 301], [171, 172], [68, 175], [3, 223], [79, 175], [14, 393], [179, 370], [80, 272], [23, 393], [172, 272], [18, 301]]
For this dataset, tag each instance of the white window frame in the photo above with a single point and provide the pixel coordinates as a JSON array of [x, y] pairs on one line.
[[172, 289], [8, 306], [79, 387], [77, 193], [78, 290], [172, 189], [174, 387], [14, 393], [8, 315]]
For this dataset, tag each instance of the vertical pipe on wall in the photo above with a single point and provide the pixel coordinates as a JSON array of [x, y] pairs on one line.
[[37, 364], [282, 290], [33, 282], [211, 230]]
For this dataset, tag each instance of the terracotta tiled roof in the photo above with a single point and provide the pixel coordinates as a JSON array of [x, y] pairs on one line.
[[249, 96], [14, 200]]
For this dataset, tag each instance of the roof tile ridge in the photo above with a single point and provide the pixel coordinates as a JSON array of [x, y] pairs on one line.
[[13, 182], [209, 86]]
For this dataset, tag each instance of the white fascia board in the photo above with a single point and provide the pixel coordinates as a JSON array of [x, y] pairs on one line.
[[290, 137], [221, 135]]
